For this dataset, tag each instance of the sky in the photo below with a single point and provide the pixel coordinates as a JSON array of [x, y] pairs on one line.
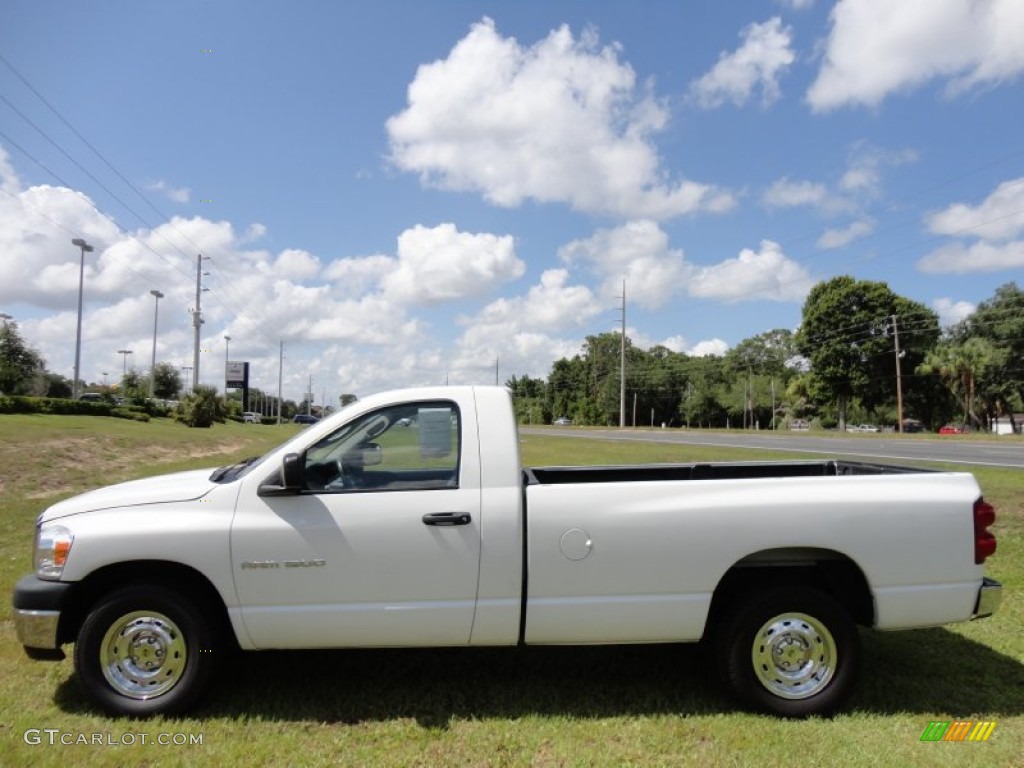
[[408, 193]]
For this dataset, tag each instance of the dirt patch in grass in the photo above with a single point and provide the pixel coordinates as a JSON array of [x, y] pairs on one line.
[[50, 468]]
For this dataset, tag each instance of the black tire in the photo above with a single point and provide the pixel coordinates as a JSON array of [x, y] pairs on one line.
[[788, 650], [144, 650]]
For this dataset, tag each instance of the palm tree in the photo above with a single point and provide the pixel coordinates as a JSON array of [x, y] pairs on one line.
[[960, 365]]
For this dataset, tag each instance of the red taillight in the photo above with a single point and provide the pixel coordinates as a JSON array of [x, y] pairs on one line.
[[984, 541]]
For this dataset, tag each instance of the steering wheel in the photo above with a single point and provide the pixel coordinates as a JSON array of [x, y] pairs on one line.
[[339, 480]]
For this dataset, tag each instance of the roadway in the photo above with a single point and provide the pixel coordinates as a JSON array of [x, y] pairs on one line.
[[1005, 451]]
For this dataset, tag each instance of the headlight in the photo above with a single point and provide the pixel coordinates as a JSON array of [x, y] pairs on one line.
[[53, 545]]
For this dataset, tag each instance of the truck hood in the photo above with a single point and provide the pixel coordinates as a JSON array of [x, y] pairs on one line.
[[179, 486]]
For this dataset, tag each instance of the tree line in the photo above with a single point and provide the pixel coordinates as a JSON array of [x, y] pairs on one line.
[[862, 353]]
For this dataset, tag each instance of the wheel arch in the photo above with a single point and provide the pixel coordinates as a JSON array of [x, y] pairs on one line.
[[184, 579], [825, 569]]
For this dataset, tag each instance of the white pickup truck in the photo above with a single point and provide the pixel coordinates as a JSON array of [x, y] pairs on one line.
[[407, 520]]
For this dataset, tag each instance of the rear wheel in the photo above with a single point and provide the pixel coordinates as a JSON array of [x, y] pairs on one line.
[[143, 651], [789, 651]]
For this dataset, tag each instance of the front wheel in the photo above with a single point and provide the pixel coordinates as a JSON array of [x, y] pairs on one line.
[[789, 651], [143, 651]]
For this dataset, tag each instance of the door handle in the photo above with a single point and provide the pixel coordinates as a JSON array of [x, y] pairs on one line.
[[447, 518]]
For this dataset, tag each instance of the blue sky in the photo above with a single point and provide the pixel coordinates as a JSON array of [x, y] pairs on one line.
[[403, 192]]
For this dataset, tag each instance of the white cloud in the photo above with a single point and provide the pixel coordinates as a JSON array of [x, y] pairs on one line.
[[253, 232], [440, 264], [355, 276], [982, 256], [678, 344], [9, 181], [878, 47], [549, 306], [560, 121], [765, 274], [857, 189], [175, 194], [762, 58], [712, 347], [637, 252], [996, 221], [952, 312], [296, 264], [523, 330], [865, 164], [39, 263], [837, 238], [999, 217], [784, 193]]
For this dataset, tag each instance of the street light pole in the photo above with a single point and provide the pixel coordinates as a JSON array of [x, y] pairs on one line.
[[227, 358], [124, 359], [152, 365], [85, 248]]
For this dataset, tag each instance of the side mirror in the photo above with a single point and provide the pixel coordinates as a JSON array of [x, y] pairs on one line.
[[290, 480], [293, 470]]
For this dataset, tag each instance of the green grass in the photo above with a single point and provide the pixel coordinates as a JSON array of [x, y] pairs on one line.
[[646, 705]]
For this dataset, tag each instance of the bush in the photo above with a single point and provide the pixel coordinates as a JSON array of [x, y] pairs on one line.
[[131, 412], [56, 405], [201, 408]]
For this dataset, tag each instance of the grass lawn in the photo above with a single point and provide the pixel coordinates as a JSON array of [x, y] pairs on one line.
[[600, 706]]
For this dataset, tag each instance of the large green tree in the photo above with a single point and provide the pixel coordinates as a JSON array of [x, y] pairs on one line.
[[166, 381], [847, 334], [1000, 320], [21, 367]]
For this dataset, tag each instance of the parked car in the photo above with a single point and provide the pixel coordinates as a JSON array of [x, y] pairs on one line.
[[951, 429], [251, 418], [564, 421], [92, 397], [304, 418], [799, 424], [326, 542]]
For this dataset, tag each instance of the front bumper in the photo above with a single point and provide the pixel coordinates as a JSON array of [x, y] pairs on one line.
[[990, 593], [37, 609]]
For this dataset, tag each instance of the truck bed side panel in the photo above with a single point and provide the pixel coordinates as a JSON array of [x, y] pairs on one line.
[[639, 562]]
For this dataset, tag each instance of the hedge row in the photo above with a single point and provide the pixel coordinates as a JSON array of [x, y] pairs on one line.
[[24, 404]]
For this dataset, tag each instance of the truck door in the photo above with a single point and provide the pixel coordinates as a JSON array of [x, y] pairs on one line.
[[382, 545]]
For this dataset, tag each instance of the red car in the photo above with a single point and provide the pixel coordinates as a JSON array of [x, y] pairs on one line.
[[951, 429]]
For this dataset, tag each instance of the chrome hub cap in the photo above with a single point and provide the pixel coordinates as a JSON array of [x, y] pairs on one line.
[[143, 655], [794, 655]]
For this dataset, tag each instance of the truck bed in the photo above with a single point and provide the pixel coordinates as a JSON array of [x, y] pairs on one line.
[[709, 471]]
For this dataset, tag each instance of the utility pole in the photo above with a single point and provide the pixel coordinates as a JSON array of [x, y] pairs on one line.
[[899, 378], [280, 369], [622, 363], [197, 319]]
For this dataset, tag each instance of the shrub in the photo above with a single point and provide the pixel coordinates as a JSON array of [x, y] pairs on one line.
[[201, 408], [56, 405], [133, 413]]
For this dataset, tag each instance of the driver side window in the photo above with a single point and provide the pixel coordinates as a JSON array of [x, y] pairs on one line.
[[412, 446]]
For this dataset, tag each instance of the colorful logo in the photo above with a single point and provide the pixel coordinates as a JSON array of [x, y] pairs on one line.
[[958, 730]]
